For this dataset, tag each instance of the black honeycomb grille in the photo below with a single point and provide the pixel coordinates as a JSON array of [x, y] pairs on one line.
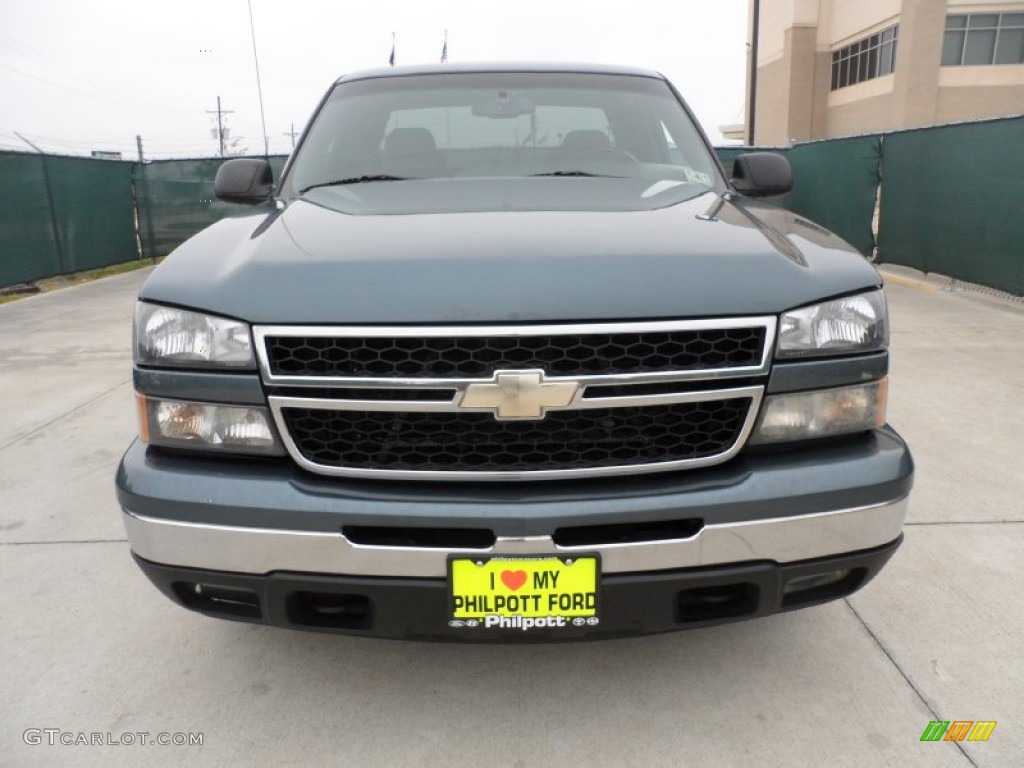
[[599, 437], [557, 354]]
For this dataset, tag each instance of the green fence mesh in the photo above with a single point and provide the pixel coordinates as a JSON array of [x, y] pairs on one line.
[[952, 202], [834, 184], [27, 244], [62, 214], [93, 203], [176, 200]]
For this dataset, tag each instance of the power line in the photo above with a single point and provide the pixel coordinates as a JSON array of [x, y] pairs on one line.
[[81, 148], [79, 142], [105, 89], [96, 94], [28, 52]]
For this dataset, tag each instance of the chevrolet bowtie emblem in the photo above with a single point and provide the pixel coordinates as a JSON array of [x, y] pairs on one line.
[[519, 395]]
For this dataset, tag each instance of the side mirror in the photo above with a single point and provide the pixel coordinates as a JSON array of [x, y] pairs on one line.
[[244, 180], [761, 174]]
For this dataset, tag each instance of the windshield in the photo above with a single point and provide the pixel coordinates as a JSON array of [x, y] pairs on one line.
[[500, 139]]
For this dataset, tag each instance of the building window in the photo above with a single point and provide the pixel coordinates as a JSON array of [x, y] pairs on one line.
[[983, 38], [871, 57]]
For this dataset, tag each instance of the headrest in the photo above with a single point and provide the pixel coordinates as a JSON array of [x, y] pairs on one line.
[[403, 142], [584, 140]]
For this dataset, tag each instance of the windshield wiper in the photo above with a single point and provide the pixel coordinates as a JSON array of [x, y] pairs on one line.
[[353, 180], [579, 173]]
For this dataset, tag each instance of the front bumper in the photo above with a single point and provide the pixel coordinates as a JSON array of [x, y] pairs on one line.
[[414, 609], [269, 542]]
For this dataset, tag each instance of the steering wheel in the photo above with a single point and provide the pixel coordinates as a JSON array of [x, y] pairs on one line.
[[608, 153]]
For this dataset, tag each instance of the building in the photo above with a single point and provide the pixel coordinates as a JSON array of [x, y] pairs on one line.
[[830, 68]]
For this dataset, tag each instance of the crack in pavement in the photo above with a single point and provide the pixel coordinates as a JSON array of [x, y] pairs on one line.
[[54, 420], [928, 705]]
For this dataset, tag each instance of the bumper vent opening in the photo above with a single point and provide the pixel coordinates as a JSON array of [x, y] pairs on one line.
[[724, 601], [330, 610], [627, 533], [218, 600], [821, 587], [427, 538]]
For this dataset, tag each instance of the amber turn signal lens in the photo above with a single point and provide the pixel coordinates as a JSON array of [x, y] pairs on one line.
[[140, 405]]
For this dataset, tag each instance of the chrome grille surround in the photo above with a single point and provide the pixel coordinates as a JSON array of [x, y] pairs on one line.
[[286, 391]]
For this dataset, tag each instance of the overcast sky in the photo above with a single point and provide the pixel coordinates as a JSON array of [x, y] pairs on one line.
[[77, 76]]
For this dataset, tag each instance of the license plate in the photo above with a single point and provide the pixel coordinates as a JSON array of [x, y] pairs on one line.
[[523, 592]]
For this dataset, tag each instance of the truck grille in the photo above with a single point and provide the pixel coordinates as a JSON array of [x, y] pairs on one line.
[[595, 437], [515, 402], [559, 354]]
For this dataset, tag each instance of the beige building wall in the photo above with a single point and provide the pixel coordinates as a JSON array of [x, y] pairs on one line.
[[849, 19], [784, 113], [794, 100]]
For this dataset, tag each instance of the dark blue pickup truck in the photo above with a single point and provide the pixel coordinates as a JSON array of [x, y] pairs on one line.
[[504, 355]]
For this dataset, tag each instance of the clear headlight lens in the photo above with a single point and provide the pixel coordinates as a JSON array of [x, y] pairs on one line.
[[843, 326], [821, 413], [168, 336], [183, 424]]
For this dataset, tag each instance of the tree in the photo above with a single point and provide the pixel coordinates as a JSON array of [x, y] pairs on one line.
[[232, 145]]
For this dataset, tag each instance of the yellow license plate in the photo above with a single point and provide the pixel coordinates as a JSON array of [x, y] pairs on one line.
[[523, 593]]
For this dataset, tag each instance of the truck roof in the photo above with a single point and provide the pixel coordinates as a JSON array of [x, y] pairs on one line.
[[505, 66]]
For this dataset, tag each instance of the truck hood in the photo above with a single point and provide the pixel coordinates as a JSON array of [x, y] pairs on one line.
[[704, 257]]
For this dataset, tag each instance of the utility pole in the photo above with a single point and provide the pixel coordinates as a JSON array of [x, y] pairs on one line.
[[755, 35], [220, 123], [138, 143], [293, 134]]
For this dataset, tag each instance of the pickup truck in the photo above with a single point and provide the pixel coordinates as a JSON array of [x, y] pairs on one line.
[[504, 355]]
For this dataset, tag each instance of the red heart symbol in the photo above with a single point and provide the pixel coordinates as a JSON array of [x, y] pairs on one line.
[[513, 579]]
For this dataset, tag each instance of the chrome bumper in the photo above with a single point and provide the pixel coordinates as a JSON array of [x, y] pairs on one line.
[[263, 550]]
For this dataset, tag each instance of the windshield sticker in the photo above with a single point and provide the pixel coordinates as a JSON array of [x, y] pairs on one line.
[[696, 177]]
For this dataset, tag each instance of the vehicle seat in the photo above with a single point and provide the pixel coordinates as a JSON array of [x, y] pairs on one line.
[[582, 141], [412, 152]]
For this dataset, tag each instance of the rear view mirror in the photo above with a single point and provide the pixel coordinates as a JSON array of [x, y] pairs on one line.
[[244, 180], [504, 105], [760, 174]]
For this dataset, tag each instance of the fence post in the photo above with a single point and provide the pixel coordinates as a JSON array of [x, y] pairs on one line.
[[143, 214], [53, 221]]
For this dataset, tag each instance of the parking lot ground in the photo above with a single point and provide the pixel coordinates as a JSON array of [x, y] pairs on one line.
[[88, 646]]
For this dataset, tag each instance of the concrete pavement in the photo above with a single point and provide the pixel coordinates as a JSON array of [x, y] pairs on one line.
[[89, 646]]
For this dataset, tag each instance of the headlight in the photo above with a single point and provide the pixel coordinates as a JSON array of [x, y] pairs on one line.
[[167, 336], [854, 324], [183, 424], [822, 413]]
